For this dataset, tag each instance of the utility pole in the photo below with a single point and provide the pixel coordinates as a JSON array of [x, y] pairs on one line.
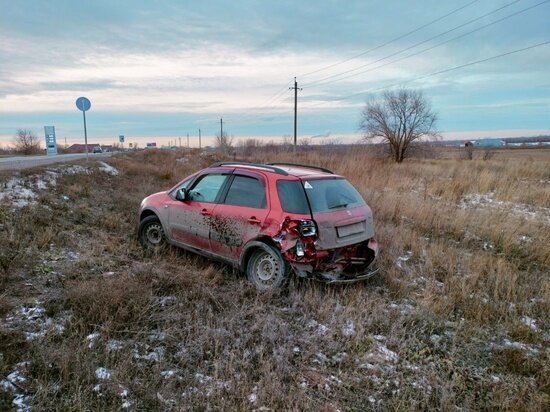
[[180, 142], [187, 139], [295, 111], [199, 138], [221, 130]]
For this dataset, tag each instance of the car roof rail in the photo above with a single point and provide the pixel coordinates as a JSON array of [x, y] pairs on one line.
[[301, 165], [277, 170]]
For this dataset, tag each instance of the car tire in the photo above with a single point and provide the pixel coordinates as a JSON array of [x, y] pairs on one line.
[[151, 235], [266, 269]]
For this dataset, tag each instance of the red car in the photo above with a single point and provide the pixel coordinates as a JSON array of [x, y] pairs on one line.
[[269, 220]]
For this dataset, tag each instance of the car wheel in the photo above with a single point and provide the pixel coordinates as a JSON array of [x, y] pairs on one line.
[[267, 269], [151, 234]]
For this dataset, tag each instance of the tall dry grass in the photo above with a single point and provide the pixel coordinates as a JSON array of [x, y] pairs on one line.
[[444, 326]]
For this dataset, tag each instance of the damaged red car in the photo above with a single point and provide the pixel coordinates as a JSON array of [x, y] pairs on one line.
[[268, 220]]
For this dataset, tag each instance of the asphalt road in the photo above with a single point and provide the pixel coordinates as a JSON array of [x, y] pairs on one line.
[[25, 162]]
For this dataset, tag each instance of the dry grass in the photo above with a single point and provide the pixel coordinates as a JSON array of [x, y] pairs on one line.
[[457, 319]]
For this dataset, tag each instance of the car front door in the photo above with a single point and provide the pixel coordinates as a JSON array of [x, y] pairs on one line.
[[240, 215], [189, 219]]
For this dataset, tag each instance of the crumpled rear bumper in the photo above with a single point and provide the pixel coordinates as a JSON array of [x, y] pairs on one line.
[[351, 264]]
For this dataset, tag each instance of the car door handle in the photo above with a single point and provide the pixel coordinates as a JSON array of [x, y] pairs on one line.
[[205, 212], [253, 220]]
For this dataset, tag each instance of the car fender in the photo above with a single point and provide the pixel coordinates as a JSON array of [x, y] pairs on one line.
[[263, 242], [150, 210]]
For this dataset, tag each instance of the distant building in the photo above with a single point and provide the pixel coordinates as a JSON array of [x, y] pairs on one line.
[[489, 143], [527, 141]]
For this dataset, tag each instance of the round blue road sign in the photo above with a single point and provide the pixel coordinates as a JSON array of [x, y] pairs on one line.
[[83, 104]]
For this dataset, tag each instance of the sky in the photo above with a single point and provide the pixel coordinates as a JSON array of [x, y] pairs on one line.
[[156, 71]]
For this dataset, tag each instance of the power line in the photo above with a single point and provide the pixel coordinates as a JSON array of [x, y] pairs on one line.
[[435, 73], [411, 47], [390, 41], [279, 96], [434, 46]]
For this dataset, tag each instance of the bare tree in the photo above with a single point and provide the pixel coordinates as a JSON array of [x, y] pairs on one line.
[[26, 142], [400, 118], [224, 142]]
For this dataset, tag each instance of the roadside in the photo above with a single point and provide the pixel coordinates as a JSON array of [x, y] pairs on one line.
[[25, 162]]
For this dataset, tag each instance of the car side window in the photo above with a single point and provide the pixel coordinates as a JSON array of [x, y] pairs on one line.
[[246, 191], [184, 185], [207, 188]]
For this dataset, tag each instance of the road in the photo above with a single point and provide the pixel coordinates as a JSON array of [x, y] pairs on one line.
[[25, 162]]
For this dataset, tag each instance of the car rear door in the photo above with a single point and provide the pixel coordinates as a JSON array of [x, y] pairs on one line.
[[189, 220], [241, 214], [341, 214]]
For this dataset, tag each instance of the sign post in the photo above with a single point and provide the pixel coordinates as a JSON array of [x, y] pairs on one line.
[[121, 140], [51, 145], [83, 104]]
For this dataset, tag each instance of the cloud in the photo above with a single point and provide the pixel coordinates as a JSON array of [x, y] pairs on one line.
[[222, 58]]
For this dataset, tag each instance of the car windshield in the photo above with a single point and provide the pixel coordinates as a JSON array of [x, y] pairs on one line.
[[323, 195]]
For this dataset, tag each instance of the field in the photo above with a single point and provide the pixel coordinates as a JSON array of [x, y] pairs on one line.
[[458, 318]]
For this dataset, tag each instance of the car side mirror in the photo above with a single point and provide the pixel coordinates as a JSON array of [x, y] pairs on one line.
[[181, 195]]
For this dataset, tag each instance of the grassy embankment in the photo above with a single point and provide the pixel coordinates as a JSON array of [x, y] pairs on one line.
[[457, 317]]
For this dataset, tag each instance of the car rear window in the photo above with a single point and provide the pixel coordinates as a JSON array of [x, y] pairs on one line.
[[326, 195]]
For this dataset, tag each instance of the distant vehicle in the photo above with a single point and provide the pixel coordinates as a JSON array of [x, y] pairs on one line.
[[269, 220], [97, 149]]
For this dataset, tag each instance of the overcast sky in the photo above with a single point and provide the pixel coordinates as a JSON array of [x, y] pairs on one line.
[[156, 70]]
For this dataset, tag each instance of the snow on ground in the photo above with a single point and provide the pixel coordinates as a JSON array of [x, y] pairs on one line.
[[530, 323], [34, 323], [15, 383], [21, 191], [402, 259], [348, 329], [487, 200], [103, 373], [320, 329], [108, 169]]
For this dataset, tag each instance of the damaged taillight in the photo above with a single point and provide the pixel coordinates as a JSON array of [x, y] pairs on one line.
[[300, 249], [307, 228], [297, 239]]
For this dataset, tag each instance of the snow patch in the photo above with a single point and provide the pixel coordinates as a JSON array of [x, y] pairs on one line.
[[402, 259], [530, 323], [102, 373], [253, 397], [377, 357], [21, 191], [114, 345], [168, 373], [320, 329], [488, 201], [108, 169], [348, 329]]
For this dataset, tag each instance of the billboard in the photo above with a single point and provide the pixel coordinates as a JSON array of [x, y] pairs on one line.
[[51, 145], [151, 145]]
